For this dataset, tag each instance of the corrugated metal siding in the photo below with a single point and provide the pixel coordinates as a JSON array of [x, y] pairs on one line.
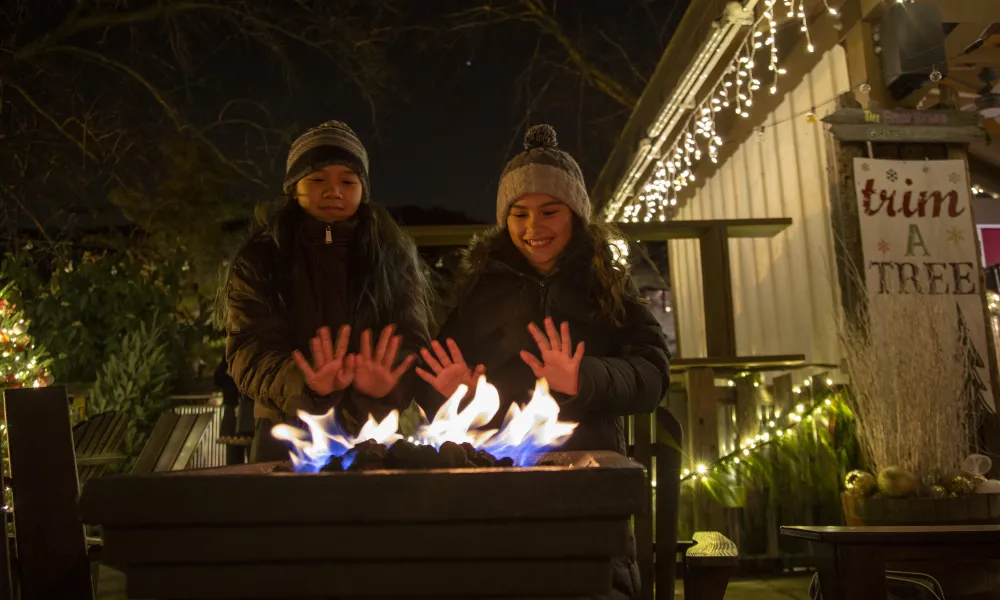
[[785, 292], [209, 453]]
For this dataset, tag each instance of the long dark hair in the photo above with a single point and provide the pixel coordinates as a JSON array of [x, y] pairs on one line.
[[610, 282], [398, 289]]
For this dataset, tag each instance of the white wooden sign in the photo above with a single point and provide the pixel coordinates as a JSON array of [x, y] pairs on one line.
[[919, 239]]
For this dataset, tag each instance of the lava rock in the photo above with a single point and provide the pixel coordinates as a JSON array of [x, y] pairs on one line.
[[453, 456], [335, 465], [403, 455], [368, 456]]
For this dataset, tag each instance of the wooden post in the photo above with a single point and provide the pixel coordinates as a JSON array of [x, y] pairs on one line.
[[51, 548], [703, 416], [642, 452], [669, 441], [717, 284]]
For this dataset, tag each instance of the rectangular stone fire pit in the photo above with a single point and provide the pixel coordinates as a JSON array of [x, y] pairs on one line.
[[255, 532]]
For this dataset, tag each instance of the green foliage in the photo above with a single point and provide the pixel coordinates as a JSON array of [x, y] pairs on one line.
[[134, 380], [805, 458], [80, 309]]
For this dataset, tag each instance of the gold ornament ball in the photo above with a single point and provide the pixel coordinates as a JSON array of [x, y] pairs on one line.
[[960, 485], [860, 483], [897, 482], [937, 491]]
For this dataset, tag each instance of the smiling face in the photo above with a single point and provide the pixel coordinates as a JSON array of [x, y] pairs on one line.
[[540, 227], [331, 194]]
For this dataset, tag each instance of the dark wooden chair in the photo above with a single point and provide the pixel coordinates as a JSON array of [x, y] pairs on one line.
[[710, 558], [173, 440], [98, 443], [170, 445]]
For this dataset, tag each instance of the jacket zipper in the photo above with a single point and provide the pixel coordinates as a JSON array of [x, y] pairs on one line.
[[539, 282], [329, 235]]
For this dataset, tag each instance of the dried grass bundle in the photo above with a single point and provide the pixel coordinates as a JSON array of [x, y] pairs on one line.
[[907, 366]]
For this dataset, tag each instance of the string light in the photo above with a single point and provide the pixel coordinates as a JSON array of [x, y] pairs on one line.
[[750, 447], [674, 170]]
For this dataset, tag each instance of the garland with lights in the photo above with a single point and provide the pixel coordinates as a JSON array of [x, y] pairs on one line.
[[772, 434]]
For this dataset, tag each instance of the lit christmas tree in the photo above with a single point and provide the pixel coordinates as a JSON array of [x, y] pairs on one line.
[[22, 362]]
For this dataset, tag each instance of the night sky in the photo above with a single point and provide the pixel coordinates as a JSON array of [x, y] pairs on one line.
[[451, 103], [445, 136]]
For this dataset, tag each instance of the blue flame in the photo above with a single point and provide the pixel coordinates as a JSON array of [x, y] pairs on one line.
[[311, 451]]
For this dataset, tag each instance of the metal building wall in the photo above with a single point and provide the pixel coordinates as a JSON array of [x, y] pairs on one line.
[[785, 292]]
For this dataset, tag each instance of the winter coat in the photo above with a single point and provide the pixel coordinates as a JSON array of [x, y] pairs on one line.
[[278, 295], [624, 371]]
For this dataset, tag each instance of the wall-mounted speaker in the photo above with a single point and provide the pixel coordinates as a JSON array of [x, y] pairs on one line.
[[912, 41]]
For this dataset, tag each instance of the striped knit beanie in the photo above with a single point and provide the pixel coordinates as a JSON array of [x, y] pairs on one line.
[[331, 143], [542, 169]]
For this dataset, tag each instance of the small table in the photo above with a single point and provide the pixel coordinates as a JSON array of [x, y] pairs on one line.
[[852, 559]]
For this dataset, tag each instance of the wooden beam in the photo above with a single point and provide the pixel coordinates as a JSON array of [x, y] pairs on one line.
[[961, 38], [739, 364], [461, 235]]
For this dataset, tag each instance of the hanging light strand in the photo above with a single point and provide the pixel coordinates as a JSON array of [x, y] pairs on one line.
[[735, 89]]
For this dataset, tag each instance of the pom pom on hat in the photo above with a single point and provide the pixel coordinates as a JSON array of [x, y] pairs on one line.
[[542, 168], [540, 136]]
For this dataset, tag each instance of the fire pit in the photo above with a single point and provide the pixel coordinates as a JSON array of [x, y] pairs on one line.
[[261, 531]]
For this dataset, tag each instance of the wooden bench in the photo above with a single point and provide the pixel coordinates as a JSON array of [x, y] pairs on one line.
[[98, 443]]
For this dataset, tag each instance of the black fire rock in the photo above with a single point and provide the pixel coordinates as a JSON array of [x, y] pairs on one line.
[[404, 455]]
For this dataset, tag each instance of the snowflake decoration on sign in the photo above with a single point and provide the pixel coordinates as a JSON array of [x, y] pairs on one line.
[[954, 177], [891, 175], [883, 246], [866, 167], [955, 235]]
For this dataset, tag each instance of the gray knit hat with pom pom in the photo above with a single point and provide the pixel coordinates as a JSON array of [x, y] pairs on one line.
[[542, 169]]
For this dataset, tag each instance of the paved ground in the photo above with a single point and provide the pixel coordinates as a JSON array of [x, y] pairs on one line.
[[112, 587]]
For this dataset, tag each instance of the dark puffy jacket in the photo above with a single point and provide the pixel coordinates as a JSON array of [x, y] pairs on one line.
[[625, 369], [264, 324]]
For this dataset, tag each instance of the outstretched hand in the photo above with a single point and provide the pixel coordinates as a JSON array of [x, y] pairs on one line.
[[332, 369], [374, 374], [559, 365], [449, 371]]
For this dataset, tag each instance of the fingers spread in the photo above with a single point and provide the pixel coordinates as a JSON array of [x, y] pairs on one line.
[[303, 365], [343, 339], [366, 344], [442, 355], [431, 361], [536, 333], [318, 357], [567, 341], [403, 366], [550, 330], [531, 361], [456, 354], [383, 343]]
